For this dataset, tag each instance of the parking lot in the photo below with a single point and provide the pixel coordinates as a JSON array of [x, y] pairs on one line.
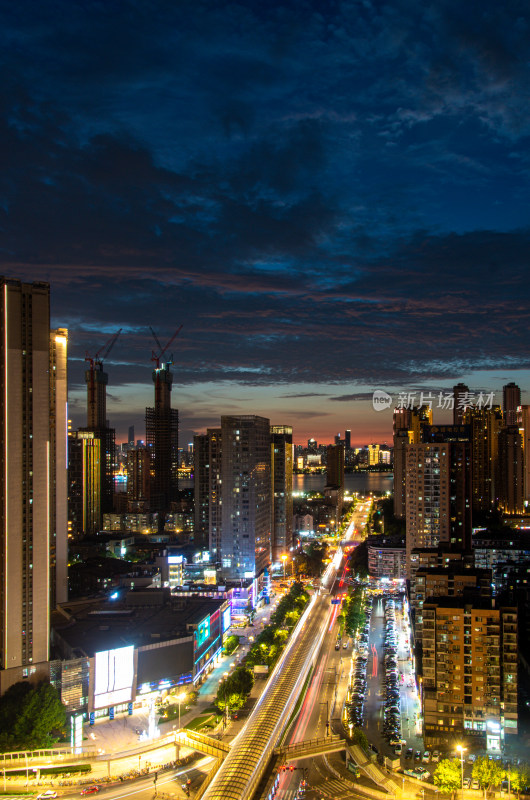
[[391, 708]]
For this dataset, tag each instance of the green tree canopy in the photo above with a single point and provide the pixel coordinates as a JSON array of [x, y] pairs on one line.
[[487, 772], [233, 692], [448, 775], [31, 717]]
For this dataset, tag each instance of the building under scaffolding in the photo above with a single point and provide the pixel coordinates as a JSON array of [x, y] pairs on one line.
[[161, 433]]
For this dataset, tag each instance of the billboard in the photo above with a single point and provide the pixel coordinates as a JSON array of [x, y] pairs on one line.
[[114, 676], [203, 631], [226, 619]]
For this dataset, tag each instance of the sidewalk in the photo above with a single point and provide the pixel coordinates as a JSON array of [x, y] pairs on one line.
[[120, 734]]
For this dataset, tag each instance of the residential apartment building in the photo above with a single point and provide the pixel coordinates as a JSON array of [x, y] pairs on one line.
[[469, 672], [386, 558], [33, 478], [245, 535], [282, 489]]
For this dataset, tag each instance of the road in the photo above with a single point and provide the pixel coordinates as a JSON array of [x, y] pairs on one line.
[[321, 708], [322, 702], [170, 782]]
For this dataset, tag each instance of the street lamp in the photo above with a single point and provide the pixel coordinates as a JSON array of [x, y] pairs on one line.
[[180, 698], [462, 750]]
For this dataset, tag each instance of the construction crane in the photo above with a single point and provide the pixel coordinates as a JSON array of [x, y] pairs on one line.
[[156, 357], [96, 380], [103, 352]]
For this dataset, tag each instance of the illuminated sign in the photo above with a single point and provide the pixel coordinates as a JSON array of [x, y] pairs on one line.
[[76, 732], [175, 559], [114, 676], [203, 631], [226, 619]]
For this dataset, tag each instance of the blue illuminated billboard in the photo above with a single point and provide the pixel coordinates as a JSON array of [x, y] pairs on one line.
[[227, 619]]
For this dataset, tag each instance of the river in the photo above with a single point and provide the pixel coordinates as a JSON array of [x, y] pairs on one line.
[[362, 482]]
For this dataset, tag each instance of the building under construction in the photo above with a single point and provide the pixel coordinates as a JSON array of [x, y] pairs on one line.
[[161, 435], [91, 454]]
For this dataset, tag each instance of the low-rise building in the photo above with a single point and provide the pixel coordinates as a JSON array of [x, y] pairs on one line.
[[113, 656], [387, 557]]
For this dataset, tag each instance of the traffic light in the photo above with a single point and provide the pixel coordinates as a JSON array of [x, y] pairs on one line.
[[291, 767]]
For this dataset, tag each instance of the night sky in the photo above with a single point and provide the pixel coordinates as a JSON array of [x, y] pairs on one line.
[[329, 197]]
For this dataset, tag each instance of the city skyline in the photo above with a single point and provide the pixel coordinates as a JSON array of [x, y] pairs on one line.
[[329, 199]]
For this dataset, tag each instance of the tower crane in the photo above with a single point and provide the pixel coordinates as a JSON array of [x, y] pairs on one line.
[[156, 357], [103, 351]]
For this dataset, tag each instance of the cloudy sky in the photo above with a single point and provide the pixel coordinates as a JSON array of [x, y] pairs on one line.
[[329, 197]]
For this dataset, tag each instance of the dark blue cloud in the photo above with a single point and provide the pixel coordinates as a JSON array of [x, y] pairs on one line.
[[321, 193]]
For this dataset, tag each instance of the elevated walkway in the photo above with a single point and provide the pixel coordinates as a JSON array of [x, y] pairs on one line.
[[333, 744], [310, 747], [67, 756], [372, 770], [204, 744]]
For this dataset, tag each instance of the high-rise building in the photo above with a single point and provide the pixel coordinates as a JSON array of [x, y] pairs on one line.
[[460, 402], [246, 495], [282, 489], [96, 380], [438, 484], [32, 479], [510, 473], [59, 456], [161, 433], [485, 425], [408, 424], [524, 427], [428, 497], [458, 439], [84, 477], [91, 460], [138, 478], [207, 451], [335, 465], [215, 483], [347, 439], [401, 421], [511, 400], [201, 486], [455, 578], [334, 488], [130, 436], [469, 671], [373, 455]]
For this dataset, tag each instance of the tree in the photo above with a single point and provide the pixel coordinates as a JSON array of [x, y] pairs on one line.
[[360, 738], [518, 777], [233, 692], [31, 717], [231, 643], [448, 775], [488, 773]]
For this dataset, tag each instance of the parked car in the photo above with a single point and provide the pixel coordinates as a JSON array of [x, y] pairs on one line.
[[90, 790], [475, 784], [422, 774]]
